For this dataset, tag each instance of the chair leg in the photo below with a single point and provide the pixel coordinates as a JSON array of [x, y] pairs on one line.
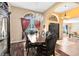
[[27, 50], [39, 51], [33, 51], [53, 53]]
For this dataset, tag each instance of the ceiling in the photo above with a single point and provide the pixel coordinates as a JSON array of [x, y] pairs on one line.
[[43, 6], [35, 6], [64, 6]]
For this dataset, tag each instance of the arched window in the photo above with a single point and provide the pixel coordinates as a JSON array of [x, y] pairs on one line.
[[54, 18]]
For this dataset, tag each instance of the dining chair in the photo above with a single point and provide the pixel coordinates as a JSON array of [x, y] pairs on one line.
[[25, 23], [30, 45], [48, 48]]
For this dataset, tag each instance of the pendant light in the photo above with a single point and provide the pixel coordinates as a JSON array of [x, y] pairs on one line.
[[65, 12]]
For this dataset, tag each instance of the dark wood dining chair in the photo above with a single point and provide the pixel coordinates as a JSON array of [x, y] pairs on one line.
[[28, 45], [48, 48]]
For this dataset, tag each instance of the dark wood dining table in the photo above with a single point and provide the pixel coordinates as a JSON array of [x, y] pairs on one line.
[[38, 41]]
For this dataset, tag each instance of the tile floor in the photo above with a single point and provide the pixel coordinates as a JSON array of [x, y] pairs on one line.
[[70, 46]]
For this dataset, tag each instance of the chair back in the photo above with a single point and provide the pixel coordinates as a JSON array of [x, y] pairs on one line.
[[51, 41], [51, 38], [25, 23]]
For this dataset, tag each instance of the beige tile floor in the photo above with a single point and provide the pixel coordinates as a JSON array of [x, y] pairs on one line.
[[69, 46]]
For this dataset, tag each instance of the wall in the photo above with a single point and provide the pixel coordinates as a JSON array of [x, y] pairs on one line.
[[15, 23], [50, 12], [75, 27]]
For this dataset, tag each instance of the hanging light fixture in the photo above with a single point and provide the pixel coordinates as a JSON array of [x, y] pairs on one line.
[[65, 11], [65, 14]]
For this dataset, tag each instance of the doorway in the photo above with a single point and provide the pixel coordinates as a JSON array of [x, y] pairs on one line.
[[55, 27]]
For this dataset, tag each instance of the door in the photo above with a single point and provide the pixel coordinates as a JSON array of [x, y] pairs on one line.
[[54, 27]]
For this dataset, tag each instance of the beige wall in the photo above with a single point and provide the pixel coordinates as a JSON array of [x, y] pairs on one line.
[[74, 28], [15, 23], [50, 12]]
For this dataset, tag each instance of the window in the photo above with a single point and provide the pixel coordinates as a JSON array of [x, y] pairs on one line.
[[53, 18]]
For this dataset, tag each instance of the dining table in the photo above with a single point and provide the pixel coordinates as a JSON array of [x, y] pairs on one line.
[[37, 39]]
